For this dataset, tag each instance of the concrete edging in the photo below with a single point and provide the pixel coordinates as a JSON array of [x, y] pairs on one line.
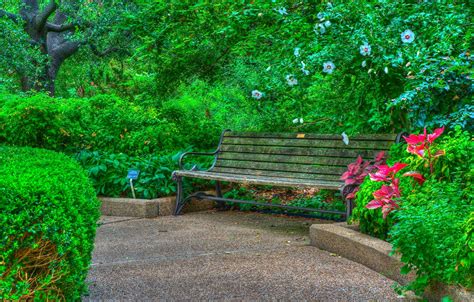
[[346, 241], [150, 208]]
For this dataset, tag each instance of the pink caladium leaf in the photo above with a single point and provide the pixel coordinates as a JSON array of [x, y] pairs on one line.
[[396, 187], [386, 173], [350, 196], [418, 150], [416, 176], [397, 167], [386, 209], [385, 192], [374, 204], [381, 174], [435, 134], [380, 156], [414, 139]]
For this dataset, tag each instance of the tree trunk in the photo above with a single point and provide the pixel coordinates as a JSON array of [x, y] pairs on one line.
[[51, 39]]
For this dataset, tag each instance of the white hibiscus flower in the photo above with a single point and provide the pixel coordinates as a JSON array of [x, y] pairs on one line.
[[303, 68], [291, 80], [298, 120], [257, 94], [408, 36], [296, 52], [328, 67], [365, 49], [282, 11]]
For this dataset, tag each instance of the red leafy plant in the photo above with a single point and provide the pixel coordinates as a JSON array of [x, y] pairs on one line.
[[358, 170], [421, 146], [387, 196]]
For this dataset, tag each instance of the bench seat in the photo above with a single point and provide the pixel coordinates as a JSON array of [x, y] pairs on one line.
[[261, 180]]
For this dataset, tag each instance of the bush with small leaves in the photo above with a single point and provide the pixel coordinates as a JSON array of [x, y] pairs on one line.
[[48, 219]]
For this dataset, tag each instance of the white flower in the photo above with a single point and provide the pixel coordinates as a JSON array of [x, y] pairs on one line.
[[385, 69], [298, 120], [319, 28], [345, 138], [291, 80], [327, 23], [282, 11], [364, 63], [320, 16], [365, 49], [296, 52], [303, 68], [328, 67], [257, 94], [408, 36], [322, 29]]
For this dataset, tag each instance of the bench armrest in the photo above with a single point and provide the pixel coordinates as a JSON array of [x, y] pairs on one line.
[[181, 158], [180, 163]]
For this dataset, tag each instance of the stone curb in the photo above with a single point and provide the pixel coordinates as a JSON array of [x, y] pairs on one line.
[[346, 241], [150, 208]]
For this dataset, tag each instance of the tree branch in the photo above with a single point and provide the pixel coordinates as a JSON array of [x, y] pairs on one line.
[[59, 28], [42, 17], [66, 49], [10, 16], [104, 53]]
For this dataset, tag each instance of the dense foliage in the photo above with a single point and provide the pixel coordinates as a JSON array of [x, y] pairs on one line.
[[431, 226], [378, 80], [48, 216]]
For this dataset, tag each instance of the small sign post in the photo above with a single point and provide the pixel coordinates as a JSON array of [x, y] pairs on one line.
[[132, 175]]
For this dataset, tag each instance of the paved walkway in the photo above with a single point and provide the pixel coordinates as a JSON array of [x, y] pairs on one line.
[[227, 256]]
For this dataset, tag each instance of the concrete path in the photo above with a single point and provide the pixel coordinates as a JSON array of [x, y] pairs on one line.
[[223, 256]]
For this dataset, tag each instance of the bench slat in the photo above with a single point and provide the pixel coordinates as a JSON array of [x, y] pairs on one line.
[[323, 161], [291, 142], [281, 167], [368, 137], [297, 175], [262, 180], [366, 154]]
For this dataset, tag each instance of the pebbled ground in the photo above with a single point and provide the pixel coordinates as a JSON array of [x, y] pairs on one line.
[[223, 256]]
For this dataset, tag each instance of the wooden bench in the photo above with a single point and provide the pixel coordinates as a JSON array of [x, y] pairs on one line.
[[281, 159]]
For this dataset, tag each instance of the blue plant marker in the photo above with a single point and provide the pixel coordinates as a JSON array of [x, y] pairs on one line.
[[133, 174]]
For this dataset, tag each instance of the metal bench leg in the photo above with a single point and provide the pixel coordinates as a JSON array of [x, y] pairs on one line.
[[220, 204], [349, 206], [218, 189], [179, 194]]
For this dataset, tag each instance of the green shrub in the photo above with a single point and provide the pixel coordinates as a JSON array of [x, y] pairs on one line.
[[48, 216], [103, 122], [430, 229], [108, 172]]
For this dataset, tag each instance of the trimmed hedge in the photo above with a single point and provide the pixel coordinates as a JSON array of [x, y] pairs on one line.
[[103, 122], [48, 219]]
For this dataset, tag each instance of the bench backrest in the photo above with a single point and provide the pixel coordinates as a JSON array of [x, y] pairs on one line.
[[292, 155]]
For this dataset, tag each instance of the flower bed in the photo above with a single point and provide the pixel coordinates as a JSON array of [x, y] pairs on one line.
[[427, 213]]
